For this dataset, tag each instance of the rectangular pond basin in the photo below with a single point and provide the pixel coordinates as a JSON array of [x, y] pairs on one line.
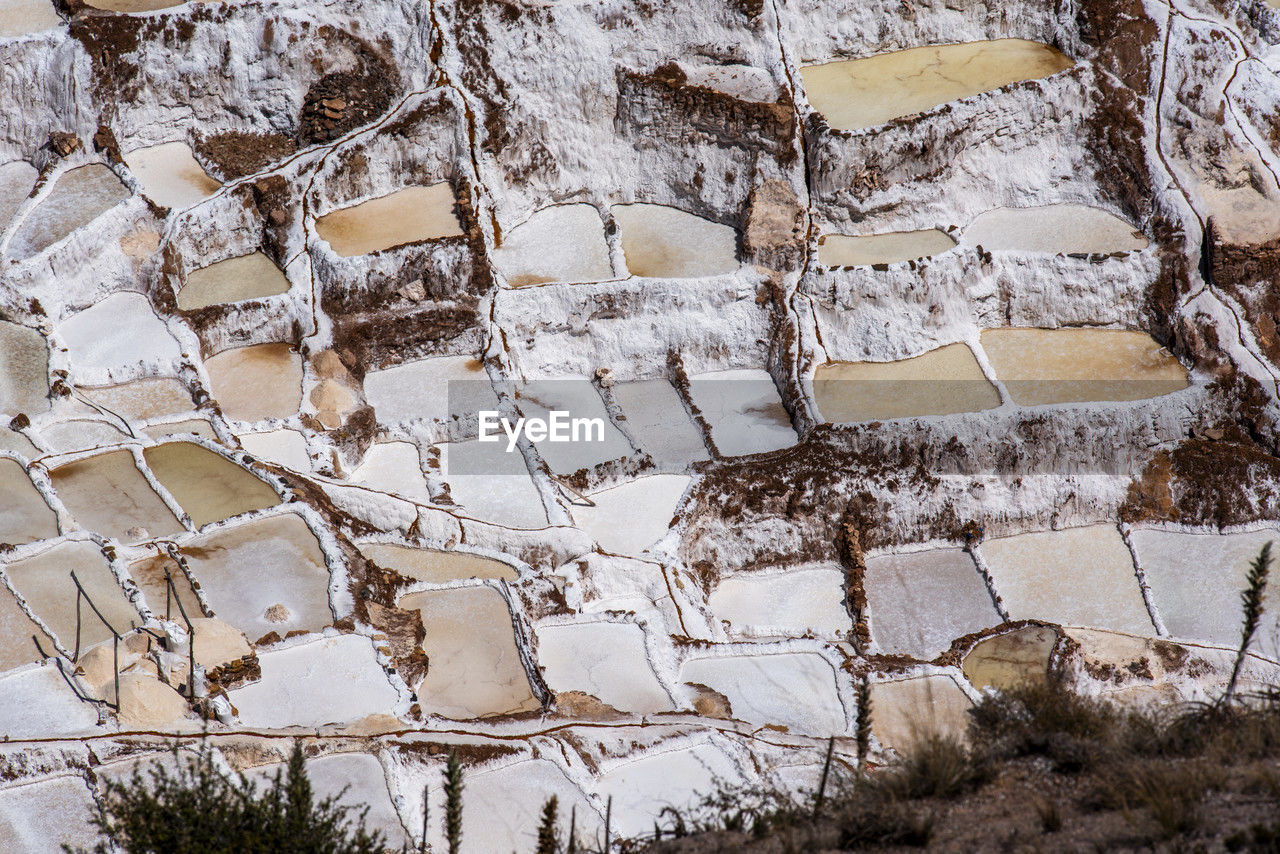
[[792, 690], [841, 250], [577, 397], [1196, 581], [44, 582], [405, 216], [283, 447], [1014, 658], [256, 382], [906, 710], [1071, 365], [18, 177], [670, 776], [666, 242], [148, 574], [142, 400], [18, 635], [108, 495], [795, 602], [656, 419], [475, 667], [491, 484], [630, 517], [24, 516], [78, 197], [435, 567], [262, 576], [563, 243], [244, 277], [24, 370], [205, 484], [860, 93], [1053, 228], [605, 660], [170, 175], [941, 382], [41, 817], [429, 389], [744, 410], [1075, 577], [117, 333], [919, 602], [394, 468]]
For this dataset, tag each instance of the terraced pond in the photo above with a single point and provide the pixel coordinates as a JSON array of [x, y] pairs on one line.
[[1053, 228], [941, 382], [859, 93], [405, 216], [244, 277], [665, 242], [169, 173], [79, 196], [841, 250]]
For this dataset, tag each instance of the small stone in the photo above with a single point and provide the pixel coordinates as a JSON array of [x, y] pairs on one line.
[[277, 613], [604, 376]]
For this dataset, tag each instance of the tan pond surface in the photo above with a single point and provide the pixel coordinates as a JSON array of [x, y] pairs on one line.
[[435, 567], [45, 584], [148, 574], [208, 486], [251, 276], [564, 243], [142, 399], [17, 177], [135, 5], [405, 216], [107, 494], [19, 17], [841, 250], [1041, 366], [860, 93], [24, 517], [16, 630], [256, 382], [1053, 228], [24, 370], [665, 242], [78, 197], [908, 709], [475, 667], [1008, 660], [169, 173], [940, 382]]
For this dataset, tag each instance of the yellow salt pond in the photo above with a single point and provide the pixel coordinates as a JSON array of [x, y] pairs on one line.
[[435, 567], [840, 250], [940, 382], [405, 216], [859, 93], [169, 173], [19, 17], [207, 485], [1040, 366], [1008, 660], [665, 242], [1053, 228], [107, 494], [245, 277], [256, 382]]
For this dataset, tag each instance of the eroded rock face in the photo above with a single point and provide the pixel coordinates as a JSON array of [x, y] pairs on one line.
[[891, 386]]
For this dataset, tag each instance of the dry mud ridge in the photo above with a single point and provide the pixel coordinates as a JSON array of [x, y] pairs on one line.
[[936, 345]]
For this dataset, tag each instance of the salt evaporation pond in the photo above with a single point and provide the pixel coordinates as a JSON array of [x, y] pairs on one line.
[[564, 243], [907, 710], [244, 277], [675, 777], [18, 177], [842, 250], [192, 426], [606, 660], [24, 370], [1040, 366], [80, 434], [628, 518], [78, 197], [860, 93], [405, 216], [283, 447], [207, 485], [792, 690], [249, 569], [1196, 579], [18, 635], [428, 388], [42, 817], [744, 410], [118, 333], [1011, 659], [919, 602], [657, 421], [1053, 228], [665, 242], [142, 400], [475, 667], [108, 495], [44, 583], [491, 484], [17, 18], [170, 175], [579, 398], [793, 603], [435, 567], [941, 382], [256, 382], [1076, 577], [24, 517], [394, 468], [134, 5], [148, 574]]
